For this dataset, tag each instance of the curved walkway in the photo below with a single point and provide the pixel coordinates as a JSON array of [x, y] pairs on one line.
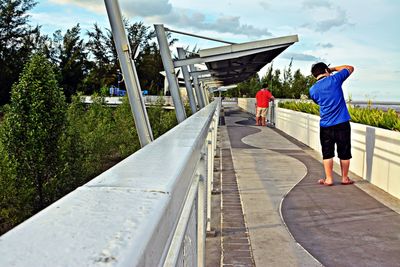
[[332, 226]]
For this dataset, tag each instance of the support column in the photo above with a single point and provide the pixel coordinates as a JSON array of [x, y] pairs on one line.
[[199, 95], [188, 83], [170, 72], [205, 94], [129, 73]]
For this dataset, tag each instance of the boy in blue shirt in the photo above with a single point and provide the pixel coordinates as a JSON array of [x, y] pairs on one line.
[[334, 124]]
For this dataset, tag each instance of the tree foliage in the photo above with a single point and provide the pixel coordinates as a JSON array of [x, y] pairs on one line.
[[281, 84], [72, 61], [17, 39], [81, 65], [33, 128]]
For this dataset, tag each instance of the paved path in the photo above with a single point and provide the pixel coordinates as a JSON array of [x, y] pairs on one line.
[[291, 220]]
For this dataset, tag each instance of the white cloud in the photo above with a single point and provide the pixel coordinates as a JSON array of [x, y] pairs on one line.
[[222, 24], [49, 24], [147, 8], [325, 16], [337, 32], [325, 45], [301, 57], [162, 11], [316, 4], [92, 5], [338, 21], [265, 5]]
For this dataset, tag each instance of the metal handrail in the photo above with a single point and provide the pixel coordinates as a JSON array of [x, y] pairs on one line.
[[141, 212]]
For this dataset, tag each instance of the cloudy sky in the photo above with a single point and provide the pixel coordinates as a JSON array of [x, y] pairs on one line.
[[362, 33]]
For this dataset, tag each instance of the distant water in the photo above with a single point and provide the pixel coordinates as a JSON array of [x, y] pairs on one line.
[[382, 105]]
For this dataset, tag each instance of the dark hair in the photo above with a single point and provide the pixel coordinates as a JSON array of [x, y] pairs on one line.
[[318, 68], [265, 85]]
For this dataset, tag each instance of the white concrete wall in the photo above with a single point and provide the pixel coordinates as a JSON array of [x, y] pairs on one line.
[[376, 151], [247, 104]]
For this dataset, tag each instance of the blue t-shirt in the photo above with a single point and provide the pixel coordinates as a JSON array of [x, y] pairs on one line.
[[328, 94]]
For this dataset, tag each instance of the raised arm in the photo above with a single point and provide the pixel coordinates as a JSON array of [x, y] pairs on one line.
[[339, 68]]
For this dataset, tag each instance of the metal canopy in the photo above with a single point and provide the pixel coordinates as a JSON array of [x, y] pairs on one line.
[[235, 63]]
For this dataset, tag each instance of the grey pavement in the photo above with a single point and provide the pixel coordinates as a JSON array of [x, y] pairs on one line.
[[293, 221]]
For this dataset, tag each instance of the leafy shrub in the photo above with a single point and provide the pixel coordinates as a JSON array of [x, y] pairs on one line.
[[302, 106], [370, 116], [125, 131], [161, 120], [80, 143]]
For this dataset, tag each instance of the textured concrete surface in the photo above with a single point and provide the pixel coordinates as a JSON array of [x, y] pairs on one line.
[[264, 177], [332, 226]]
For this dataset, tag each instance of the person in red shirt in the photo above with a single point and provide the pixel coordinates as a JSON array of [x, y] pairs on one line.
[[262, 103]]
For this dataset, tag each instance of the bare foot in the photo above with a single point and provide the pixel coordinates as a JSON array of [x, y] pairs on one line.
[[347, 181], [325, 182]]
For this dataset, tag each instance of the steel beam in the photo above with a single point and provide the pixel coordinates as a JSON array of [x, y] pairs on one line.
[[205, 93], [188, 82], [170, 72], [129, 72], [231, 55], [199, 95], [199, 36]]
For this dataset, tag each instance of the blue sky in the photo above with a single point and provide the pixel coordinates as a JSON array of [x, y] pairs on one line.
[[364, 34]]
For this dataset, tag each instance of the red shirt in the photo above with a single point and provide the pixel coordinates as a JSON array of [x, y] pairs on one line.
[[263, 96]]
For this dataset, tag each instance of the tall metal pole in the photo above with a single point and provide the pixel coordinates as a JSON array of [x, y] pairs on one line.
[[170, 72], [129, 73], [199, 95], [188, 83]]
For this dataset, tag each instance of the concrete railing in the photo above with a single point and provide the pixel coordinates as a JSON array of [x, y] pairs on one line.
[[151, 209], [117, 100], [376, 151]]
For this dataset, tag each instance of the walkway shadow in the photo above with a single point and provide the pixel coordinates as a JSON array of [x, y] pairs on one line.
[[340, 225]]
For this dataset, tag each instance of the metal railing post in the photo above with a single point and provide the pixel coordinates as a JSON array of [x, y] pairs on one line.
[[129, 72], [170, 72], [201, 211], [272, 114], [215, 122], [188, 83], [210, 170]]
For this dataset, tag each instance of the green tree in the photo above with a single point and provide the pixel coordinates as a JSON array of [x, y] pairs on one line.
[[72, 61], [276, 86], [33, 128], [105, 60], [299, 85], [16, 43], [288, 81], [100, 74]]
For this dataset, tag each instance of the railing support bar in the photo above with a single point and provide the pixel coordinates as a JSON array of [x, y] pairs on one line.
[[188, 83], [170, 72]]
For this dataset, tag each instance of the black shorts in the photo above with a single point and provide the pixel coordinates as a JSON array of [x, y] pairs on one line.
[[337, 134]]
